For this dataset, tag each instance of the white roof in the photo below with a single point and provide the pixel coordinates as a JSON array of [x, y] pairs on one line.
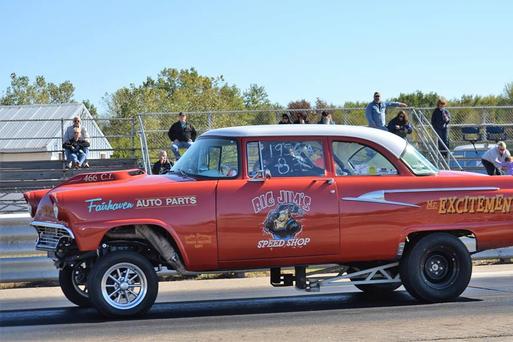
[[38, 127], [391, 142]]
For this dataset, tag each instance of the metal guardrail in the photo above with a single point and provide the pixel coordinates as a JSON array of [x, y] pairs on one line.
[[20, 262]]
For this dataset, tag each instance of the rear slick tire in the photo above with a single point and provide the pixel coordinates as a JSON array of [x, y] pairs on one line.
[[122, 284], [72, 281], [437, 268]]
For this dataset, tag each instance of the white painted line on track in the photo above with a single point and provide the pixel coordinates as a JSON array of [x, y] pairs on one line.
[[14, 215], [492, 274]]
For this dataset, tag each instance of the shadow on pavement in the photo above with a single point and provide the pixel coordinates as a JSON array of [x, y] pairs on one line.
[[216, 308]]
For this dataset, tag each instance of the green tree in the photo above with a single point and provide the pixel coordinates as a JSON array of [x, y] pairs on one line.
[[255, 97], [91, 108], [176, 90], [418, 99], [22, 92]]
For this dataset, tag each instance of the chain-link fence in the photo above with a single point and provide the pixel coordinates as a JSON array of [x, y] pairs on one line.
[[484, 119], [157, 124]]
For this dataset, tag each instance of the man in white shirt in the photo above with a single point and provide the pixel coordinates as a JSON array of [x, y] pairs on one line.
[[493, 158]]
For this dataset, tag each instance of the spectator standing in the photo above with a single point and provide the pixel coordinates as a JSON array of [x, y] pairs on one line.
[[326, 119], [493, 158], [376, 111], [400, 125], [302, 118], [70, 132], [163, 165], [182, 134], [76, 150], [285, 119], [439, 120]]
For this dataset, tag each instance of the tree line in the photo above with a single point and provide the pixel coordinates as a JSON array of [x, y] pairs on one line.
[[175, 90]]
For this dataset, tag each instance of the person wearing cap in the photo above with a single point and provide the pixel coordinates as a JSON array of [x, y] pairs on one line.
[[439, 120], [70, 133], [285, 119], [494, 158], [326, 119], [376, 110], [182, 134]]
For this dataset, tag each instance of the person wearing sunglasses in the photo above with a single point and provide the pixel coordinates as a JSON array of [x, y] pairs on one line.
[[375, 111], [400, 125], [493, 158]]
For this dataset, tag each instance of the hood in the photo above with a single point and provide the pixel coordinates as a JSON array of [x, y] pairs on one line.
[[99, 182]]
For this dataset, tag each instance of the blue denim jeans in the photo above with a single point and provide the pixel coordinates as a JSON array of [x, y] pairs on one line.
[[180, 144], [78, 157]]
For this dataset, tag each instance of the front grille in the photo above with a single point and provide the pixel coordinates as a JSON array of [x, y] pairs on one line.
[[49, 236]]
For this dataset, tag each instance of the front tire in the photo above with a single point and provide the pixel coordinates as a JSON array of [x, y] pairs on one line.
[[437, 268], [73, 283], [123, 284]]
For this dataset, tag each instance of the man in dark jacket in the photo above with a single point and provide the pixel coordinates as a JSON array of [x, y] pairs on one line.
[[163, 165], [182, 134], [76, 150]]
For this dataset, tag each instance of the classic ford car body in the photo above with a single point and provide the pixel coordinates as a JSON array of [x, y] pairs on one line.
[[271, 197]]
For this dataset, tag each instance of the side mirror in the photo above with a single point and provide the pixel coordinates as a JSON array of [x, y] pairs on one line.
[[260, 176]]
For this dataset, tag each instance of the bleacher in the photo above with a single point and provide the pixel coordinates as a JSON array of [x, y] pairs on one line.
[[479, 140], [19, 176]]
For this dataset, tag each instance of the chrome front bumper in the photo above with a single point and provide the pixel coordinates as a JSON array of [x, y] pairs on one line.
[[50, 234]]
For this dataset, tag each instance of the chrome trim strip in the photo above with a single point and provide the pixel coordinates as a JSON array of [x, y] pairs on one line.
[[52, 225], [478, 188], [379, 195]]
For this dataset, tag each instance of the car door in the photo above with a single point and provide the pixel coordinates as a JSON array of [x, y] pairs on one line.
[[291, 213], [371, 221]]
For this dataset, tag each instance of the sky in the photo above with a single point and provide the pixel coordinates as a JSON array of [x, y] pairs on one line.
[[336, 50]]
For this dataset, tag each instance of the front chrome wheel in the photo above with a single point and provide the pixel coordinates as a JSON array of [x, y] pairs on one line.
[[124, 286]]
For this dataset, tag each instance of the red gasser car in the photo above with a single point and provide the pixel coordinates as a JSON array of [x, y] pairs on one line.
[[361, 201]]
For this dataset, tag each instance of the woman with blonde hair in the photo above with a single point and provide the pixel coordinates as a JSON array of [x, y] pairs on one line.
[[440, 119]]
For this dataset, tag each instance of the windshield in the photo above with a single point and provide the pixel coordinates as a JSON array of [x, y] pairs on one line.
[[417, 162], [210, 158]]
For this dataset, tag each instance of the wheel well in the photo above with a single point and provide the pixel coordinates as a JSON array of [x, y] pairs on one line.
[[412, 238], [127, 235]]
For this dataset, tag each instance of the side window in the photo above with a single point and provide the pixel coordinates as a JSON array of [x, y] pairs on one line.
[[286, 158], [216, 158], [357, 159]]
